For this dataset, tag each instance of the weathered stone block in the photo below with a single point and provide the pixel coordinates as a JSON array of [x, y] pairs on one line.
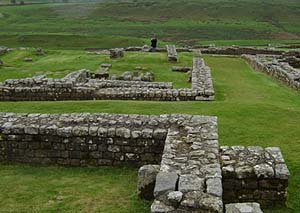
[[243, 208], [146, 181], [165, 182]]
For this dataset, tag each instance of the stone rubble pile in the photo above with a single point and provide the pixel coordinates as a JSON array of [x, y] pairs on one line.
[[276, 67], [80, 85]]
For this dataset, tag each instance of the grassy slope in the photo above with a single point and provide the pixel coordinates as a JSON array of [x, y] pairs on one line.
[[185, 22], [252, 109]]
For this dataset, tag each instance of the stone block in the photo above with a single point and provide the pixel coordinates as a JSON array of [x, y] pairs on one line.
[[146, 181], [243, 208], [165, 183]]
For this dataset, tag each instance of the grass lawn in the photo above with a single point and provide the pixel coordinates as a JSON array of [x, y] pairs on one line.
[[252, 109]]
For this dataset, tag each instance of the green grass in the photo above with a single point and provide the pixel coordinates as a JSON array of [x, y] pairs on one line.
[[53, 189], [80, 25], [57, 63], [252, 109]]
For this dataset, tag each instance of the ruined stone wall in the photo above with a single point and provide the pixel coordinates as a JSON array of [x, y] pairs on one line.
[[83, 139], [234, 50], [194, 174], [254, 174], [79, 86], [231, 50], [278, 70]]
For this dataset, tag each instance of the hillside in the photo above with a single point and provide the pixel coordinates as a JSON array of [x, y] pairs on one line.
[[126, 22]]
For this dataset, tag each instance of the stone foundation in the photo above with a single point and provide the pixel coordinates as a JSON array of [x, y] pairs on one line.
[[194, 174], [80, 86], [235, 50], [254, 174], [276, 68]]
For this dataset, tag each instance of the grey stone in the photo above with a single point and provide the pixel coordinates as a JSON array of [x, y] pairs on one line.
[[175, 197], [123, 132], [146, 181], [243, 208], [190, 183], [244, 172], [264, 171], [282, 171], [159, 207], [214, 186], [165, 182]]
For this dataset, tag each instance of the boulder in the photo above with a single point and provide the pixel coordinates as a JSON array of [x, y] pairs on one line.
[[1, 62], [146, 181]]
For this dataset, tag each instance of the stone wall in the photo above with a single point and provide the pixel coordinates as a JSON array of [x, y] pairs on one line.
[[194, 174], [230, 50], [84, 139], [190, 176], [281, 71], [79, 86], [235, 50], [254, 174]]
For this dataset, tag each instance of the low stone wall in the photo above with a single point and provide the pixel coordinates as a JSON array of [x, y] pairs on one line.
[[235, 50], [84, 139], [79, 86], [278, 70], [231, 50], [254, 174]]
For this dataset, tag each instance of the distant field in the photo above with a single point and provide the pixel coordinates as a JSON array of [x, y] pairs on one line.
[[123, 23]]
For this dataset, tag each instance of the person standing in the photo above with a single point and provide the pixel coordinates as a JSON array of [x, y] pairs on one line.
[[153, 44]]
